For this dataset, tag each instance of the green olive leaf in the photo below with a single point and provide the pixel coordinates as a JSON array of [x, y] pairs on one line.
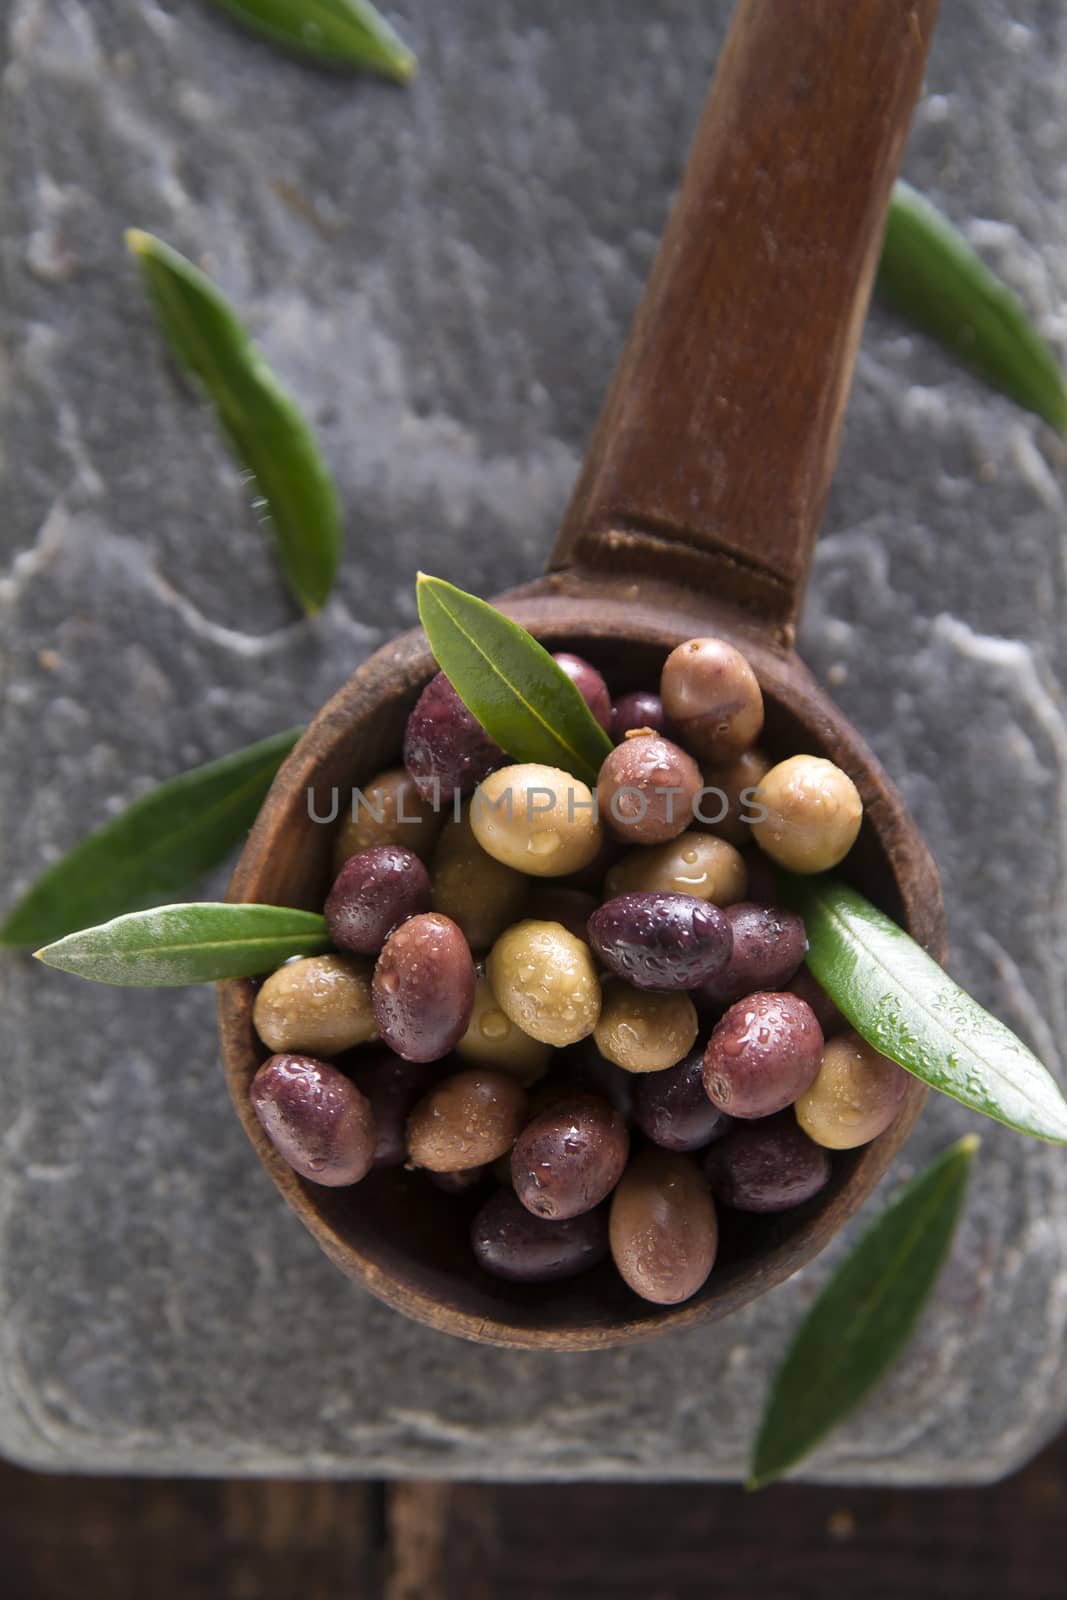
[[523, 699], [864, 1317], [159, 845], [192, 943], [347, 33], [264, 427], [907, 1007], [931, 274]]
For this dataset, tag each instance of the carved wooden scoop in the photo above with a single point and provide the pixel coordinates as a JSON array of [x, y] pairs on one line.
[[696, 512]]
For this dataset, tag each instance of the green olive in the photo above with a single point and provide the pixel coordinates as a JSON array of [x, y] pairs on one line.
[[642, 1030], [493, 1040], [813, 814], [479, 893], [320, 1004], [536, 819], [545, 981], [855, 1097], [695, 863]]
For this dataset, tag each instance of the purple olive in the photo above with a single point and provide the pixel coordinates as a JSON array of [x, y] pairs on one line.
[[372, 894], [762, 1055], [316, 1119], [769, 1165], [768, 947], [445, 747], [582, 1069], [393, 1086], [830, 1020], [569, 1158], [672, 1109], [661, 941], [423, 988], [571, 907], [639, 709], [589, 684], [512, 1244]]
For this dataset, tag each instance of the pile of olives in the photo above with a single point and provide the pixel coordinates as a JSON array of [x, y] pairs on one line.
[[583, 1013]]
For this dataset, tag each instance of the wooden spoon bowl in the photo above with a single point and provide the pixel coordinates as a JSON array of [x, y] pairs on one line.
[[696, 513]]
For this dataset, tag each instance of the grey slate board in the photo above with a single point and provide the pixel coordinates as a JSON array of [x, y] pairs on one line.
[[445, 276]]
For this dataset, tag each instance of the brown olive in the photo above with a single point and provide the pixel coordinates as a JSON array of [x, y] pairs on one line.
[[730, 806], [813, 814], [479, 893], [536, 819], [672, 1109], [387, 810], [642, 1031], [762, 1055], [423, 988], [567, 1159], [712, 696], [694, 863], [545, 981], [646, 788], [467, 1120], [493, 1040], [855, 1096], [316, 1119], [589, 684], [768, 947], [446, 749], [663, 1230], [321, 1004], [374, 891], [767, 1165], [511, 1243]]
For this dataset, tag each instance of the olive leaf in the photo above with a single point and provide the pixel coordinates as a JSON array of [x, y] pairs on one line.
[[523, 699], [160, 844], [865, 1315], [192, 943], [931, 274], [907, 1007], [349, 33], [265, 428]]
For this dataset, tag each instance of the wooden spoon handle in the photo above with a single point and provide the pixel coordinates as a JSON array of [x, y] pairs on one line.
[[712, 457]]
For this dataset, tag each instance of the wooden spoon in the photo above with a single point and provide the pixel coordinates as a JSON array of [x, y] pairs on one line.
[[696, 512]]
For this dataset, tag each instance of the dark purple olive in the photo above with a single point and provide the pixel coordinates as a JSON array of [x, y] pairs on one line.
[[512, 1244], [589, 684], [570, 1157], [640, 709], [762, 1055], [770, 1165], [672, 1109], [762, 884], [445, 747], [423, 988], [372, 894], [316, 1119], [571, 907], [827, 1015], [461, 1182], [768, 947], [661, 941], [663, 1230], [393, 1086], [581, 1069]]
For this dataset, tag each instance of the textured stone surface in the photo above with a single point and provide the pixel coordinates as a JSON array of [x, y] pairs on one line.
[[444, 277]]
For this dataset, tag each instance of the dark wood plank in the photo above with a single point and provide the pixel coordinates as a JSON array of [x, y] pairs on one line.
[[65, 1538]]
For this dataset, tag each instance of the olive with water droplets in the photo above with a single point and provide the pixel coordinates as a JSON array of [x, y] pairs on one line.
[[641, 1030], [479, 893], [493, 1040], [375, 891], [762, 1055], [663, 1230], [646, 788], [589, 684], [387, 810], [537, 819], [855, 1096], [318, 1004], [768, 1165], [661, 941], [446, 749], [694, 863], [512, 1244], [672, 1109], [466, 1120], [570, 1157], [713, 697], [423, 988], [316, 1119], [545, 981], [768, 945]]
